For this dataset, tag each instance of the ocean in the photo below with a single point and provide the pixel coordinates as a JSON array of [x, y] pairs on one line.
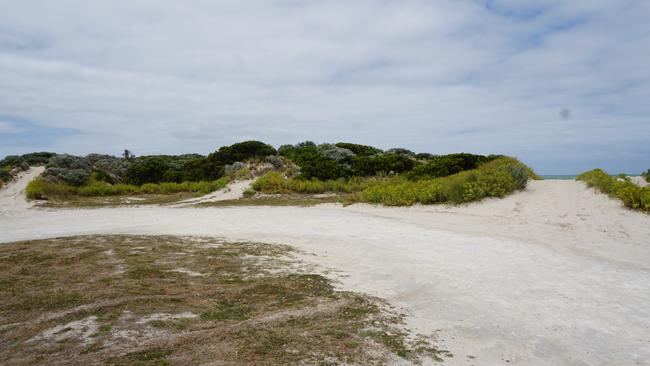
[[564, 177]]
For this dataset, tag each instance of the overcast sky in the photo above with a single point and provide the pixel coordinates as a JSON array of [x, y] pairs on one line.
[[563, 85]]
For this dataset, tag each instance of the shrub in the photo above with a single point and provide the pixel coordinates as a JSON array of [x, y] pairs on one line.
[[338, 154], [70, 162], [102, 176], [14, 161], [75, 177], [148, 169], [359, 150], [276, 160], [271, 182], [630, 194], [275, 183], [242, 151], [43, 189], [234, 168], [401, 151], [314, 165], [438, 167], [37, 158], [494, 179], [5, 176], [382, 164]]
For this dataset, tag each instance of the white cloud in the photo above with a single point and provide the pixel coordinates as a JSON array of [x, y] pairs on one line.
[[167, 76], [7, 128]]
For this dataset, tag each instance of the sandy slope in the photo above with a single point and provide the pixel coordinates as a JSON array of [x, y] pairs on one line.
[[12, 196], [555, 275], [639, 180], [232, 191]]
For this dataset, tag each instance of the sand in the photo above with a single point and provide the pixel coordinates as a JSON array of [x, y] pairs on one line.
[[555, 275], [639, 180], [12, 196], [233, 191]]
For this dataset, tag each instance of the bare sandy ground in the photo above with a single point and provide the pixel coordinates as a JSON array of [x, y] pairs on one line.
[[555, 275], [232, 191], [12, 196], [639, 180]]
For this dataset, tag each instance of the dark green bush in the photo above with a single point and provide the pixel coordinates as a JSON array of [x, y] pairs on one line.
[[401, 151], [290, 151], [445, 165], [382, 164], [38, 158], [314, 165], [14, 161], [5, 176], [22, 162], [147, 169], [242, 151], [359, 150]]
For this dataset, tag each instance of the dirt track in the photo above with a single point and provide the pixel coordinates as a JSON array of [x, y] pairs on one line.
[[554, 275]]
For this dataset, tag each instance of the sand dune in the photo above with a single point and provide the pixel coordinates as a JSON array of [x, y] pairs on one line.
[[12, 196], [234, 190], [555, 275], [639, 180]]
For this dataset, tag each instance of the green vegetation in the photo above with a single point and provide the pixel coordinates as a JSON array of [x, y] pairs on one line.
[[275, 183], [354, 172], [632, 195], [13, 164], [496, 178], [44, 189], [188, 301]]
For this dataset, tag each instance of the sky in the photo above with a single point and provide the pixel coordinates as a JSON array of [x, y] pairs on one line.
[[562, 85]]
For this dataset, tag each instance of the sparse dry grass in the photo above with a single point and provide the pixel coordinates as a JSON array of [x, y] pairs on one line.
[[158, 300], [117, 201], [301, 200]]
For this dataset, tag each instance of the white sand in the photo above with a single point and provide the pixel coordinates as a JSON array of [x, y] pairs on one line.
[[12, 195], [233, 191], [554, 275], [639, 180]]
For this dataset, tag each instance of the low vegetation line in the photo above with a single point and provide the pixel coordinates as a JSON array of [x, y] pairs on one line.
[[347, 172], [495, 178], [44, 189], [621, 187]]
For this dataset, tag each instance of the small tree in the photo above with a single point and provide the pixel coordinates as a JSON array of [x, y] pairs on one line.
[[128, 155]]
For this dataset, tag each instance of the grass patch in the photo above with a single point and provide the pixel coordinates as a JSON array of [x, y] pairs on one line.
[[295, 199], [248, 306], [153, 357], [275, 183], [43, 189], [50, 301], [632, 195], [225, 310]]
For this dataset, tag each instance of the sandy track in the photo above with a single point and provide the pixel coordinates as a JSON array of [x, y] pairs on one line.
[[12, 197], [555, 275], [233, 191]]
